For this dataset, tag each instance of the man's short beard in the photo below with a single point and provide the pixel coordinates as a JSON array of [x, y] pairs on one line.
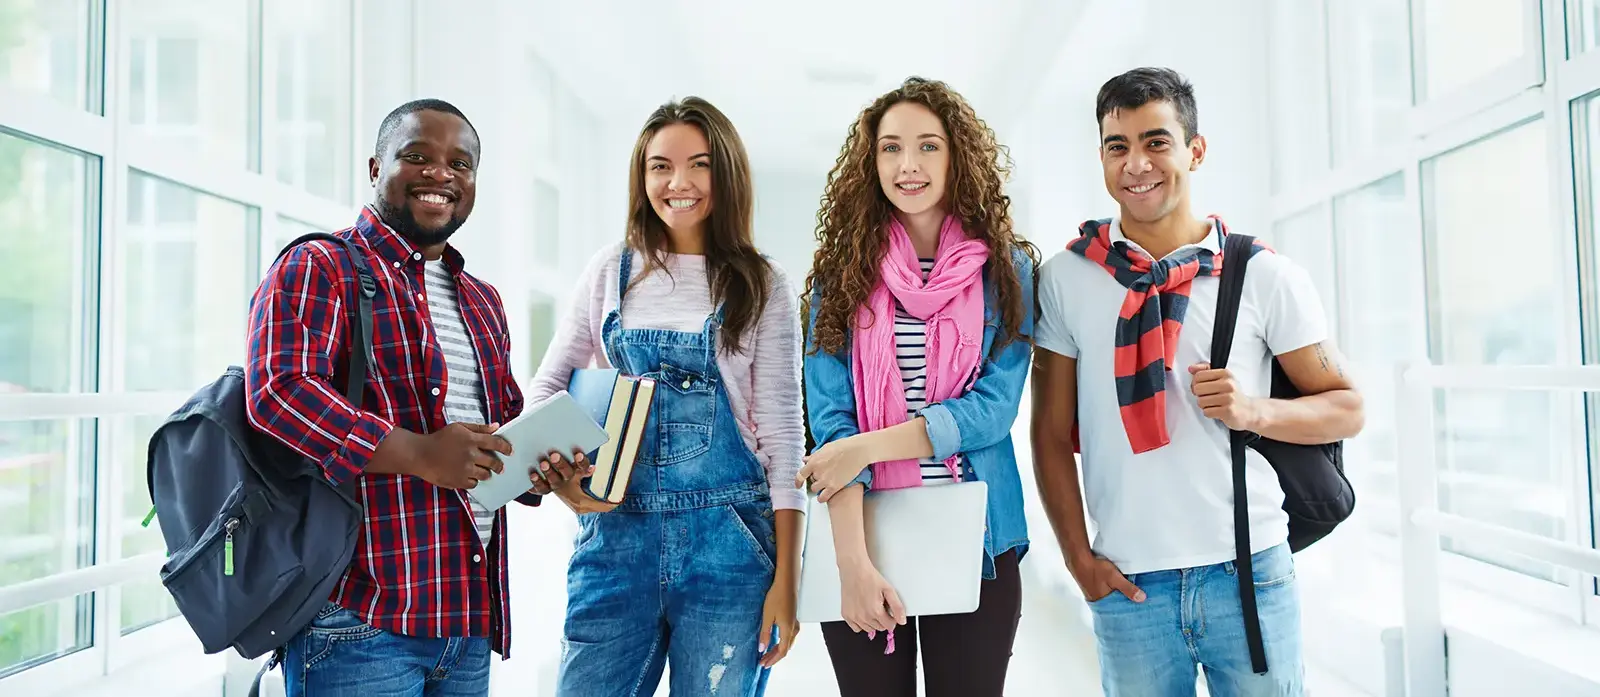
[[403, 222]]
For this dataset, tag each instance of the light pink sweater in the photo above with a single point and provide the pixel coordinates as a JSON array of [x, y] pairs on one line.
[[769, 366]]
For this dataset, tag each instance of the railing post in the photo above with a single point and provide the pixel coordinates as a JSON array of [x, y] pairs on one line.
[[1423, 630]]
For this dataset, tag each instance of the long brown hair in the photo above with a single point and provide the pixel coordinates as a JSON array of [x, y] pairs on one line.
[[738, 274], [850, 225]]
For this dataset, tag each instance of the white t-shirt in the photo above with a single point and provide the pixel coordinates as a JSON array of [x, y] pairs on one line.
[[1172, 508]]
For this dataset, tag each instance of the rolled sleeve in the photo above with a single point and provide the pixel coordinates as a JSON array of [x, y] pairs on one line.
[[943, 431], [865, 478]]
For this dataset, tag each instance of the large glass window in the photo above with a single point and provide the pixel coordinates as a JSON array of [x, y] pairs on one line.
[[43, 218], [547, 228], [1384, 290], [1307, 239], [1370, 58], [1585, 15], [312, 100], [1299, 110], [37, 634], [283, 232], [1465, 41], [46, 466], [44, 48], [541, 119], [188, 77], [1505, 456], [180, 306], [387, 76]]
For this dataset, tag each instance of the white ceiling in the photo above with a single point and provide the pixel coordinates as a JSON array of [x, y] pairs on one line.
[[793, 76]]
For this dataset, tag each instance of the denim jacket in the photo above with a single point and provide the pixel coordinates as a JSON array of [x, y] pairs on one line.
[[976, 424]]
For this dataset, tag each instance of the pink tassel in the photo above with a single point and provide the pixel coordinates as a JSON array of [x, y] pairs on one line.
[[889, 639]]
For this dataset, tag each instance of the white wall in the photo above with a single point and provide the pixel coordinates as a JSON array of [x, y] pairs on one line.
[[1058, 179], [786, 218]]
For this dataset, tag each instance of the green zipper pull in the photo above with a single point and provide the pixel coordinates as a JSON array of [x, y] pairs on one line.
[[227, 548], [148, 517]]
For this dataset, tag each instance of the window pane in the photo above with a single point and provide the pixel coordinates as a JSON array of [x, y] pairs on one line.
[[1307, 238], [1298, 104], [177, 51], [43, 218], [1378, 249], [180, 304], [311, 101], [1505, 455], [284, 232], [181, 287], [547, 225], [1370, 49], [1586, 17], [542, 327], [542, 119], [44, 48], [47, 523], [386, 82], [35, 635], [1465, 41], [147, 601]]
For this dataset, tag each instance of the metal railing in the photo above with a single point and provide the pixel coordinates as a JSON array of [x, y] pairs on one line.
[[1422, 524]]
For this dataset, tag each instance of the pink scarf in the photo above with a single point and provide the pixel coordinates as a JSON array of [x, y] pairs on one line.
[[951, 303]]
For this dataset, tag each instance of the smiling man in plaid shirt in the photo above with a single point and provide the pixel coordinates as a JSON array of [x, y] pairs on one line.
[[425, 598]]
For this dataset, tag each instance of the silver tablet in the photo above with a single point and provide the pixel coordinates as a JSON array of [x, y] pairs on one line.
[[560, 424]]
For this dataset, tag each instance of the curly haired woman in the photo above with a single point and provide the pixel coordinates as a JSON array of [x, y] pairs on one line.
[[916, 261]]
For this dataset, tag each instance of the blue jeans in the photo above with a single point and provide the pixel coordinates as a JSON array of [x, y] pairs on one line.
[[683, 587], [1191, 618], [340, 655]]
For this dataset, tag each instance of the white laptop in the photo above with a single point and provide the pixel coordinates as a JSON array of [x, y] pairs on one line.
[[927, 541]]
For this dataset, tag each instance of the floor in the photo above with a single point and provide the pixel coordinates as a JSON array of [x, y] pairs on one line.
[[1054, 652]]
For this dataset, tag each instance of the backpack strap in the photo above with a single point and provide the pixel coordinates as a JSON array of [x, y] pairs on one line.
[[361, 324], [1235, 258]]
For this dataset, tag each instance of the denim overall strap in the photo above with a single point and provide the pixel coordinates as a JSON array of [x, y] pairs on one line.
[[694, 455]]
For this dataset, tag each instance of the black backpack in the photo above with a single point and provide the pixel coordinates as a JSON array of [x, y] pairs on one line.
[[256, 535], [1316, 494]]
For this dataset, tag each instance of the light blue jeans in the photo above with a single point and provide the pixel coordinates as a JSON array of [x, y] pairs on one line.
[[339, 655], [1191, 619]]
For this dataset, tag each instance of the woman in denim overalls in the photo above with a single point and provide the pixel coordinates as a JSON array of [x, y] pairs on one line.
[[697, 566]]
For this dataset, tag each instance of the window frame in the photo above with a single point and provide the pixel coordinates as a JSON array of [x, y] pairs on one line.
[[1549, 82], [1431, 111], [100, 131]]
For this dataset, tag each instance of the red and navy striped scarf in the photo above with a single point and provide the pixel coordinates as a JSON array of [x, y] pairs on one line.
[[1148, 325]]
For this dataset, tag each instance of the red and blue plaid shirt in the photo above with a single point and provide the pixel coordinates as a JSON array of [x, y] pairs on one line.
[[419, 568]]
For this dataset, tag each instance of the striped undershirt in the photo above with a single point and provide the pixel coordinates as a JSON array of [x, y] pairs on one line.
[[463, 397], [911, 352]]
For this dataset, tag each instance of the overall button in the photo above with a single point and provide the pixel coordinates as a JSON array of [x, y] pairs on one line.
[[686, 384]]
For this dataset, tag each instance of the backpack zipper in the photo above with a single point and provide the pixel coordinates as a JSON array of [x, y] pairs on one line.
[[227, 546]]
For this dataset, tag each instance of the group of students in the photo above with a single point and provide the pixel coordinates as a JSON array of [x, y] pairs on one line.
[[904, 360]]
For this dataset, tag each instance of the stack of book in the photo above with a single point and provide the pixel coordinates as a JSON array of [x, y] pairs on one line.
[[621, 405]]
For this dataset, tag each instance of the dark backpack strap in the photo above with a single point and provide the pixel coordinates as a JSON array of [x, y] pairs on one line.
[[361, 324], [272, 661], [1235, 258]]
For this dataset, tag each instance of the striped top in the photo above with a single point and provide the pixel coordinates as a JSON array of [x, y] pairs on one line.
[[911, 352], [463, 399]]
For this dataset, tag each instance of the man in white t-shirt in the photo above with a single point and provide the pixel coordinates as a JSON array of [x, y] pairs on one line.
[[1124, 336]]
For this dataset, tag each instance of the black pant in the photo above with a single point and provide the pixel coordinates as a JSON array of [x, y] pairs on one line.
[[963, 655]]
